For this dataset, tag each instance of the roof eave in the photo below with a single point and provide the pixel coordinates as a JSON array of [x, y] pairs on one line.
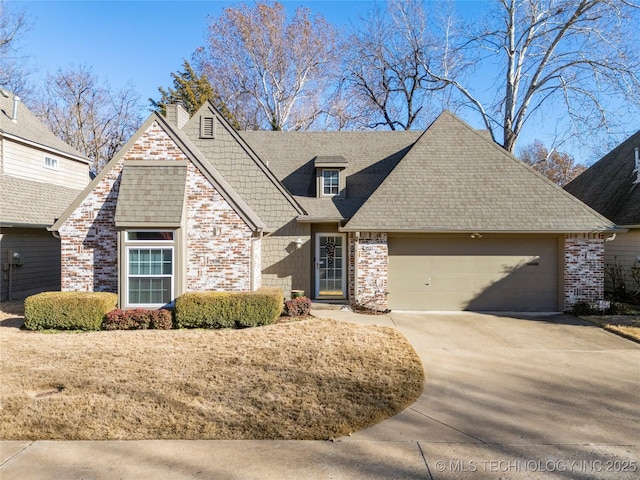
[[312, 219], [482, 231], [47, 148], [37, 226]]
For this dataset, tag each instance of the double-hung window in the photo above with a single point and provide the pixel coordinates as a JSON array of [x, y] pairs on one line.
[[150, 267], [330, 182]]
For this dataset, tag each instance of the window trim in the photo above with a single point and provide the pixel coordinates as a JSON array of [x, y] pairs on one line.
[[322, 182], [149, 244], [56, 163]]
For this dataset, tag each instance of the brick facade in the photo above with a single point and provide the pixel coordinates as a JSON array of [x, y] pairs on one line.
[[218, 242], [89, 241], [583, 268], [368, 269]]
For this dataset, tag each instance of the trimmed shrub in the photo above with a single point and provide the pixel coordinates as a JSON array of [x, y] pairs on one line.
[[618, 308], [583, 308], [162, 319], [137, 319], [297, 307], [228, 309], [68, 310]]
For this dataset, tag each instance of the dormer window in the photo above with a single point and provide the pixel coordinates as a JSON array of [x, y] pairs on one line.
[[330, 177], [330, 182]]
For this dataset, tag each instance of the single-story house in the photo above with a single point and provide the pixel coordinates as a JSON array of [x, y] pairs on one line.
[[40, 175], [441, 219], [611, 186]]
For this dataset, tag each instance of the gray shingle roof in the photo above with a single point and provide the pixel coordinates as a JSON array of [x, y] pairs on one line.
[[370, 156], [607, 186], [151, 194], [28, 127], [455, 179], [30, 203]]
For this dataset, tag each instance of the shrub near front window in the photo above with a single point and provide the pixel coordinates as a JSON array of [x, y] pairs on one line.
[[228, 310], [68, 310], [137, 319]]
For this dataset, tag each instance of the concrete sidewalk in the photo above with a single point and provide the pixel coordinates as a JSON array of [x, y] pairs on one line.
[[517, 397]]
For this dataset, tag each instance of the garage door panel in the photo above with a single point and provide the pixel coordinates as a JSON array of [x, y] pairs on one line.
[[460, 273]]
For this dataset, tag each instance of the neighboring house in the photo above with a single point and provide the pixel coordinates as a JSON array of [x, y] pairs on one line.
[[611, 186], [440, 220], [40, 175]]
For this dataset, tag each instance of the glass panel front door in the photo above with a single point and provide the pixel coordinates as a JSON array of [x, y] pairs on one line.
[[330, 265]]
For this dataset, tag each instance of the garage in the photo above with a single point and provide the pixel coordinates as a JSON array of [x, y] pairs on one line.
[[488, 272]]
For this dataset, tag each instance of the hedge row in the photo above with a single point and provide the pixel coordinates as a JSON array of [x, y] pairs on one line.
[[96, 310], [68, 310], [228, 310]]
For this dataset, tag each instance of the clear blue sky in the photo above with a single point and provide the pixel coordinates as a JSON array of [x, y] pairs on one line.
[[142, 42]]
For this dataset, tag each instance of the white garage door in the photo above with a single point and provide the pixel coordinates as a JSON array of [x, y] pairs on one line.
[[457, 272]]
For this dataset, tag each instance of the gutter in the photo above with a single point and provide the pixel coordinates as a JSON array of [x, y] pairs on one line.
[[311, 219], [40, 146], [35, 226], [528, 232]]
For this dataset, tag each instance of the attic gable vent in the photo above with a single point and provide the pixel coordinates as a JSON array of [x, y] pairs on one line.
[[207, 127]]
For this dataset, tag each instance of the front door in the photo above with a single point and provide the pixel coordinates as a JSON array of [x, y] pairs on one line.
[[330, 265]]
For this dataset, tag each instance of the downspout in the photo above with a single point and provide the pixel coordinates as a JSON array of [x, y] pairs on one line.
[[252, 263], [356, 242]]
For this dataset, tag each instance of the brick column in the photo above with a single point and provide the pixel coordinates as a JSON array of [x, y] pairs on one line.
[[583, 268], [368, 268]]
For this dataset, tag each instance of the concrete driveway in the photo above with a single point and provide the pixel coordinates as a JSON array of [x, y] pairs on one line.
[[515, 397], [520, 397]]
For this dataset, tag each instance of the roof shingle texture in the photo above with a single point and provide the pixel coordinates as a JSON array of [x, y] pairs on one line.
[[151, 194], [27, 202], [29, 127], [370, 156], [455, 179], [608, 185]]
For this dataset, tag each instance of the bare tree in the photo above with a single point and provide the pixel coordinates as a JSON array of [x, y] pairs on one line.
[[88, 115], [559, 167], [13, 74], [270, 71], [574, 55], [385, 68]]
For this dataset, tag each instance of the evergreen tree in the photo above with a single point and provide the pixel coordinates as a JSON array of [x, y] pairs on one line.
[[191, 90]]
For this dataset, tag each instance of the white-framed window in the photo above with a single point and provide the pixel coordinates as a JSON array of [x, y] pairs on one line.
[[330, 182], [150, 268], [50, 162]]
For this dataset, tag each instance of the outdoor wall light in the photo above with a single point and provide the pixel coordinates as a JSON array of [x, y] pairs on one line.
[[299, 242], [476, 235]]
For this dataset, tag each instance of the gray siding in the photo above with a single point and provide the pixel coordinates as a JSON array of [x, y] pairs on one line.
[[40, 272], [623, 250], [283, 265]]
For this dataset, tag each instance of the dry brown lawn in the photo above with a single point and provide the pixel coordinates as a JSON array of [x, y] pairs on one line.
[[624, 325], [312, 379]]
